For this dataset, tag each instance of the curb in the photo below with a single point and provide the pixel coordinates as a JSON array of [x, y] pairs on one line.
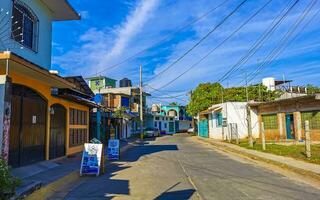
[[42, 192], [310, 174]]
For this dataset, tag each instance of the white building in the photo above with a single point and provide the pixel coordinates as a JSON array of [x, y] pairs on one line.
[[165, 124], [231, 117]]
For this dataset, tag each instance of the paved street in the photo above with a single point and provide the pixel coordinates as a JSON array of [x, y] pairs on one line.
[[177, 167]]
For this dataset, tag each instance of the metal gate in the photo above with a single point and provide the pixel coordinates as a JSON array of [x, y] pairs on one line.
[[234, 131], [203, 128], [57, 131], [28, 127]]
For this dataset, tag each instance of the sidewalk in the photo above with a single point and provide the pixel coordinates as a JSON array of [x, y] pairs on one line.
[[44, 173], [280, 160]]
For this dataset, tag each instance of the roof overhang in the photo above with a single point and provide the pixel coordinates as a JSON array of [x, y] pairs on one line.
[[293, 99], [23, 67], [62, 10]]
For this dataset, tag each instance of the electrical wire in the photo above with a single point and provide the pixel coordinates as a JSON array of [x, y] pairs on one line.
[[166, 38], [285, 41], [261, 40], [199, 42], [219, 45]]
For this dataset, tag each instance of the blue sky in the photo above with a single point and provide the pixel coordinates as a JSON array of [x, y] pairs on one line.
[[111, 31]]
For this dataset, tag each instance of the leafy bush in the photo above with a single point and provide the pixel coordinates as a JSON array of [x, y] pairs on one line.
[[8, 183]]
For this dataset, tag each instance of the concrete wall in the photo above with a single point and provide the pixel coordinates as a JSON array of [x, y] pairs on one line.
[[234, 112], [184, 125], [43, 56], [290, 106]]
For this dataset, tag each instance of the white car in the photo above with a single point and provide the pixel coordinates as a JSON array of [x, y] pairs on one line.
[[190, 130]]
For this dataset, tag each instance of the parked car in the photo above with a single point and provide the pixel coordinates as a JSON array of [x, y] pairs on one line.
[[190, 130], [152, 132]]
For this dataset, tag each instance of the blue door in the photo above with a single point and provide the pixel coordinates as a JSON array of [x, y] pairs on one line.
[[203, 128], [160, 128], [290, 126]]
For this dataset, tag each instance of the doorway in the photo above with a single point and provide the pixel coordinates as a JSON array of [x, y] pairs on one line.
[[290, 126], [57, 131], [28, 127]]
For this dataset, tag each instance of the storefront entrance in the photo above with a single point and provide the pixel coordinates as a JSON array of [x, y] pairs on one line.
[[28, 127], [57, 131]]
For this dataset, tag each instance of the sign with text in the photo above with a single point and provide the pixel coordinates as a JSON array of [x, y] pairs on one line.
[[113, 149], [91, 159]]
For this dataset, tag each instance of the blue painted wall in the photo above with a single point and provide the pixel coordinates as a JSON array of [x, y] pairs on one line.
[[43, 56]]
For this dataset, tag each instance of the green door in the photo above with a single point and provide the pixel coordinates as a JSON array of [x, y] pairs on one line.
[[171, 127], [203, 128]]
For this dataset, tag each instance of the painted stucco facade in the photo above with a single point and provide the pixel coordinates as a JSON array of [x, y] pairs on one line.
[[42, 56]]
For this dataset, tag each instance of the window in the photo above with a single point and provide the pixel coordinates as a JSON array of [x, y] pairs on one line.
[[24, 27], [157, 118], [165, 125], [219, 119], [155, 124], [77, 117], [270, 121], [313, 117], [77, 137]]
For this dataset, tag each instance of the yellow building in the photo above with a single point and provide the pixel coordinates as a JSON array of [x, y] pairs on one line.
[[44, 124], [44, 116]]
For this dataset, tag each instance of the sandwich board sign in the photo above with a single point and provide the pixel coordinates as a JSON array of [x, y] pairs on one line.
[[91, 159], [113, 149]]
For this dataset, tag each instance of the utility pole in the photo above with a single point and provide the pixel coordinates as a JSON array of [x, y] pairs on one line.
[[222, 101], [248, 114], [141, 104]]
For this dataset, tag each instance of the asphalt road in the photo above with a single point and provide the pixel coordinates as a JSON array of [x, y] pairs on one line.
[[178, 167]]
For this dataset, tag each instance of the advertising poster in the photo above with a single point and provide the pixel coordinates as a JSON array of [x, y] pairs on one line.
[[113, 149], [91, 159]]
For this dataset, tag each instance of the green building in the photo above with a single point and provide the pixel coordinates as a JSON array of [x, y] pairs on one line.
[[99, 82]]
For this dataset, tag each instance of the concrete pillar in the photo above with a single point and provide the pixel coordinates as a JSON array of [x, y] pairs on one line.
[[47, 142], [5, 115], [281, 125], [297, 125]]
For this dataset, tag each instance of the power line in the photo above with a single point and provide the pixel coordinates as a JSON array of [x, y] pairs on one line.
[[284, 42], [199, 42], [258, 43], [166, 94], [166, 38], [219, 45]]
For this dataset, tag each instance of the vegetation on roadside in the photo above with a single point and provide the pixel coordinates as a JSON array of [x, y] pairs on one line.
[[8, 183], [293, 151], [207, 94]]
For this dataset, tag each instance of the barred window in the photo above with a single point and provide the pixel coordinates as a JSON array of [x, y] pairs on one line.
[[77, 117], [78, 136], [313, 117], [24, 27], [219, 119], [270, 121]]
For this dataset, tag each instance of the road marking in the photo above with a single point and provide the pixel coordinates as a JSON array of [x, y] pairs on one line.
[[189, 179]]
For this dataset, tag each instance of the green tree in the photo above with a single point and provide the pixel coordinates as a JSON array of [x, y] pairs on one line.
[[203, 97], [119, 112], [311, 89], [207, 94]]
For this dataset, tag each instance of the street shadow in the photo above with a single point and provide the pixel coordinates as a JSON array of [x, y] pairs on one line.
[[181, 194], [106, 187], [143, 150]]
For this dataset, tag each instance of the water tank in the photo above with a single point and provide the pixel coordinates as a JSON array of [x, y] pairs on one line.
[[269, 82], [125, 83]]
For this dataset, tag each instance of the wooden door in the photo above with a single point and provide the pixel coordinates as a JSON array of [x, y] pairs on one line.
[[28, 130], [57, 131]]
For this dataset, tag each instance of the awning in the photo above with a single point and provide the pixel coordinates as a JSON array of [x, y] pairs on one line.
[[61, 10], [23, 67]]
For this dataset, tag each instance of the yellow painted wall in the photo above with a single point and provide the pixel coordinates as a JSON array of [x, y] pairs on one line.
[[45, 91]]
